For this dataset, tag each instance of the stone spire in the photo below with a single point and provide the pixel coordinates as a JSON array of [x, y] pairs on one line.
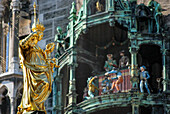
[[72, 96]]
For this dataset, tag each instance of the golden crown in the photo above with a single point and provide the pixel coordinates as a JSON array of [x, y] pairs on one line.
[[36, 25]]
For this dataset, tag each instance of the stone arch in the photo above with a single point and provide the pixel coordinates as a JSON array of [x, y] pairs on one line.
[[18, 95], [105, 41], [83, 71], [4, 100], [64, 75], [152, 58]]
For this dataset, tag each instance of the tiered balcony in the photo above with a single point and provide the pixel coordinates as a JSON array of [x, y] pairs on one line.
[[120, 100]]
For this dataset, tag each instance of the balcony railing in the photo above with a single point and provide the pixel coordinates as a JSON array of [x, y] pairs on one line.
[[125, 86], [104, 84]]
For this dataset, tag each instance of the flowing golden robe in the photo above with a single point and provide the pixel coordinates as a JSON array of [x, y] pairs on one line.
[[37, 77]]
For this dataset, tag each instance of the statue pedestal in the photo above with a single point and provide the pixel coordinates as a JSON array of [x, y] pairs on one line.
[[38, 112], [35, 112]]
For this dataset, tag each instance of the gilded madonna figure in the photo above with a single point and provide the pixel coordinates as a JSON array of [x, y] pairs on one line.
[[37, 70]]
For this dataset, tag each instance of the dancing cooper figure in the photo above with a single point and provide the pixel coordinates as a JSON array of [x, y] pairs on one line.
[[144, 76], [37, 70]]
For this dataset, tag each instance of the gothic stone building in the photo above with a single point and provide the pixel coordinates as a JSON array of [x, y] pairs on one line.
[[15, 23], [91, 29], [98, 28]]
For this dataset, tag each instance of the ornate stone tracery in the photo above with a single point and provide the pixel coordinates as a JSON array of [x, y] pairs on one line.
[[142, 26]]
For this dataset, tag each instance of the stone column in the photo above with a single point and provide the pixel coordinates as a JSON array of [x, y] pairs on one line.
[[133, 24], [168, 61], [135, 109], [165, 75], [57, 92], [3, 45], [13, 51], [1, 9], [5, 33], [85, 8], [12, 106], [135, 104], [110, 5], [72, 96], [10, 36], [57, 95], [134, 71], [54, 90]]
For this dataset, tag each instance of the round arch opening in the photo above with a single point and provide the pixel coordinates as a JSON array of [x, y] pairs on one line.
[[5, 100], [150, 56]]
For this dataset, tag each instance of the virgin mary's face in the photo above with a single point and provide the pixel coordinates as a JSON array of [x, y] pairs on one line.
[[33, 41]]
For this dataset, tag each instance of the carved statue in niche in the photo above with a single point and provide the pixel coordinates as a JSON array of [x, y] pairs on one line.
[[143, 14], [59, 39], [156, 9], [95, 6], [100, 6]]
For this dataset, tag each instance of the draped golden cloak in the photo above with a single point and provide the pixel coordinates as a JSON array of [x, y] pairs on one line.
[[37, 78]]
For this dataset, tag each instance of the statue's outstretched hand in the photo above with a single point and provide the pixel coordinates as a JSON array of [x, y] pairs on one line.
[[50, 47]]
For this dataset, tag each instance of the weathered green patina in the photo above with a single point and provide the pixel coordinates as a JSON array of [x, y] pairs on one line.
[[129, 15]]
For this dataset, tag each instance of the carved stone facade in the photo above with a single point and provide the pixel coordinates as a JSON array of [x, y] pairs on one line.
[[93, 34], [77, 63], [15, 24], [53, 13]]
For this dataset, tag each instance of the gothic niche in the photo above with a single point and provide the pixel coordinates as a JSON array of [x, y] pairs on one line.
[[64, 86], [150, 56], [95, 6], [92, 50], [5, 101], [104, 41], [143, 14], [81, 77], [149, 18], [6, 12]]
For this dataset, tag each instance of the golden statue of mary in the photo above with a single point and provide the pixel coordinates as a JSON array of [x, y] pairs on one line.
[[37, 70]]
